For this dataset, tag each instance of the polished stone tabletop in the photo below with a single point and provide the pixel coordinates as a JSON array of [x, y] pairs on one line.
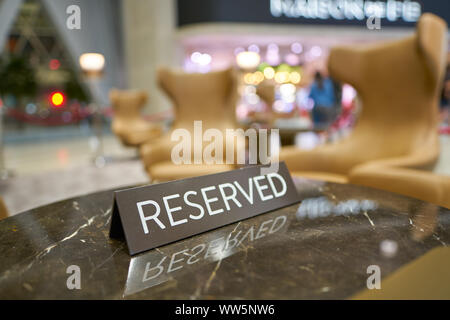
[[320, 248]]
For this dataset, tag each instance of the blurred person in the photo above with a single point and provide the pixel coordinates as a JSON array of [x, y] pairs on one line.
[[322, 92], [445, 98]]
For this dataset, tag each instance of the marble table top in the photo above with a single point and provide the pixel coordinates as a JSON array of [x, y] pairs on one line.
[[317, 249]]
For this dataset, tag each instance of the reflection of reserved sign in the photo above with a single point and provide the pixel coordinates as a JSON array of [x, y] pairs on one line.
[[155, 267], [158, 214]]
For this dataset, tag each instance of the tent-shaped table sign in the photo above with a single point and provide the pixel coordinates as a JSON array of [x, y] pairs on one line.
[[155, 215]]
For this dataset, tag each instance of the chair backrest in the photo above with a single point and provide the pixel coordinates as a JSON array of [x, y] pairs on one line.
[[127, 104], [266, 91], [399, 84], [209, 97]]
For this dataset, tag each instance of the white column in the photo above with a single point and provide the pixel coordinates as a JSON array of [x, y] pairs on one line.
[[150, 41]]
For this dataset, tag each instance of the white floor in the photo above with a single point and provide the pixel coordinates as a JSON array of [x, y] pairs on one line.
[[57, 170], [46, 172], [27, 158]]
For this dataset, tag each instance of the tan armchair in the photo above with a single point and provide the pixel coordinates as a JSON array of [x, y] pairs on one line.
[[398, 83], [207, 97], [128, 123], [266, 91], [3, 210], [422, 185]]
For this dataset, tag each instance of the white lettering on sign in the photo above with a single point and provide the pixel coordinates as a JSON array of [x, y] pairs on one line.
[[392, 10], [216, 200], [154, 216]]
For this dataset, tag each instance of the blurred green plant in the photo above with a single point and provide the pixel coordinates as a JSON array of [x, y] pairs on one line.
[[17, 78], [74, 90]]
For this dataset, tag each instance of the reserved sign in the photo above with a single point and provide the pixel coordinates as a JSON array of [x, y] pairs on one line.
[[159, 214]]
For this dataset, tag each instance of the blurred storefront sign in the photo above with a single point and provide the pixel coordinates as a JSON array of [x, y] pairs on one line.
[[392, 10], [392, 13]]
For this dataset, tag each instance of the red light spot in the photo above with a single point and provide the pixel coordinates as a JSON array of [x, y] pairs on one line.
[[54, 64], [57, 99]]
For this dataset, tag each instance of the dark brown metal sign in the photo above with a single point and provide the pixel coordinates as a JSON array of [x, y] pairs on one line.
[[158, 214]]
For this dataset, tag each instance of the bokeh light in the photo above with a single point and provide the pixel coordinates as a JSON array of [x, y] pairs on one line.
[[57, 99]]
